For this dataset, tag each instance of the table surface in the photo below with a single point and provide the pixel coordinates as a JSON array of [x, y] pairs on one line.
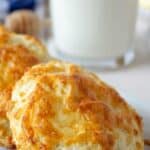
[[135, 79]]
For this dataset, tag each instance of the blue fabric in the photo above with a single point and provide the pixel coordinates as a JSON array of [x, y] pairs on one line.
[[21, 4]]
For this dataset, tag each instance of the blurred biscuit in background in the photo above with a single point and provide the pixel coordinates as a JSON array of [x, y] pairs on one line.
[[29, 42]]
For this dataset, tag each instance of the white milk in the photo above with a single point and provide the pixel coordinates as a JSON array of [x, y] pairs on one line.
[[93, 28]]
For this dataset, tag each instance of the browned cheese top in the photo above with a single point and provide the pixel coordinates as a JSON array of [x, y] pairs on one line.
[[14, 61], [62, 106]]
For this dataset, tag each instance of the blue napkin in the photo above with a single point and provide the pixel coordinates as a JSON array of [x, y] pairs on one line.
[[21, 4]]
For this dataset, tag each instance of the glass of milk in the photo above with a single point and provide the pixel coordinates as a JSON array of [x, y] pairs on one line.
[[94, 32]]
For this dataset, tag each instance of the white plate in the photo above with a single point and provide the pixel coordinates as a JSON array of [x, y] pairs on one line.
[[143, 108]]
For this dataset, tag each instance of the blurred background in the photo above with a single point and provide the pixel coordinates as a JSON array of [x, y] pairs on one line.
[[34, 17]]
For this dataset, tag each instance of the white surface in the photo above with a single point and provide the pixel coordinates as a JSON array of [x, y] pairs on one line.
[[93, 29]]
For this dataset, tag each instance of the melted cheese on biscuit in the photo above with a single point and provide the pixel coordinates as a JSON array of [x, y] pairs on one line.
[[68, 108], [14, 61]]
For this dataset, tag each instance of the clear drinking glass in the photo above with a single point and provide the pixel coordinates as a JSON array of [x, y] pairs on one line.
[[94, 32]]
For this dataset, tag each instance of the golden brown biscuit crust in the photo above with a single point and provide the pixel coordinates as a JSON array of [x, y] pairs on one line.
[[69, 106], [14, 61], [17, 53], [27, 41]]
